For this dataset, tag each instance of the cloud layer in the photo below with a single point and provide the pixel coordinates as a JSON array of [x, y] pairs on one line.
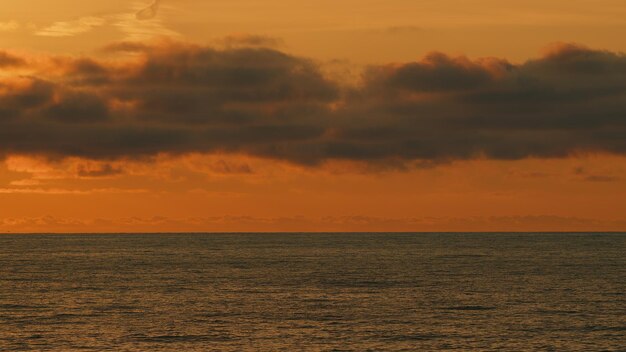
[[160, 224], [176, 98]]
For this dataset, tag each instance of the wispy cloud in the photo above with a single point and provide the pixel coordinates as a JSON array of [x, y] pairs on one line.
[[139, 23], [140, 30], [72, 28], [9, 26], [301, 223], [29, 182], [149, 12], [63, 191], [585, 175], [50, 191]]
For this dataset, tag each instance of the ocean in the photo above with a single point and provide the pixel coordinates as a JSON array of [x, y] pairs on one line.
[[313, 292]]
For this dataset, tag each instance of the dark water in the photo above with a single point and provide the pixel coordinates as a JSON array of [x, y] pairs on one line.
[[306, 292]]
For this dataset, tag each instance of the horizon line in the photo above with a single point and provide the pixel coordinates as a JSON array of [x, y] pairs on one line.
[[308, 232]]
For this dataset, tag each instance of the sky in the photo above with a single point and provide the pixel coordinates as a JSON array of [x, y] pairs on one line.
[[230, 116]]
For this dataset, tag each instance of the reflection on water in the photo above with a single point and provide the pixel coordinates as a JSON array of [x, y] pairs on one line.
[[313, 292]]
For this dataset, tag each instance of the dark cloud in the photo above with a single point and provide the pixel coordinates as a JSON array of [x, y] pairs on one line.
[[180, 98], [77, 107], [126, 46], [104, 170], [9, 60], [438, 72], [601, 178], [250, 40], [87, 71], [593, 177], [18, 98]]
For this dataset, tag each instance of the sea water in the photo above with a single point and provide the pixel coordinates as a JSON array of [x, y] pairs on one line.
[[313, 292]]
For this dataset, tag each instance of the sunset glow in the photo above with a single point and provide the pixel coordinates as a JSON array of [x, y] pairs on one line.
[[201, 116]]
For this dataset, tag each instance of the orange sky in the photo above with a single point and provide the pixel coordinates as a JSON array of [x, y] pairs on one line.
[[361, 65], [362, 31]]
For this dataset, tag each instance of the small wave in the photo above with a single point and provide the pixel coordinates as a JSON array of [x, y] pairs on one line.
[[19, 307], [469, 308], [363, 283], [316, 300], [117, 307], [414, 337], [557, 311], [459, 256], [180, 338], [605, 328]]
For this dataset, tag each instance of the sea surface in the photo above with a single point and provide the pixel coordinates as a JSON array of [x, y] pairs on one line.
[[313, 292]]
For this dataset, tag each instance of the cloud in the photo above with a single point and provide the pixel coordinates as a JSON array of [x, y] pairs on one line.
[[139, 30], [601, 178], [438, 72], [594, 177], [357, 223], [104, 170], [138, 26], [72, 28], [41, 171], [8, 60], [63, 191], [25, 183], [180, 98], [149, 12], [9, 26], [250, 40]]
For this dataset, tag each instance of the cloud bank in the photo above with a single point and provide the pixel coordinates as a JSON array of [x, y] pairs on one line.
[[176, 98]]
